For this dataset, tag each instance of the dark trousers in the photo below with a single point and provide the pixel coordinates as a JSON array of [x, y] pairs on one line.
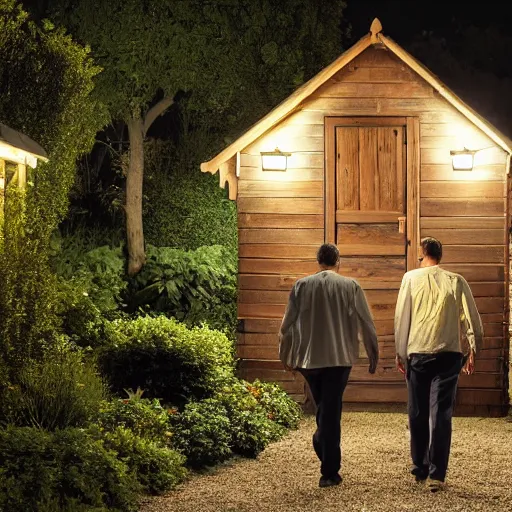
[[327, 386], [432, 385]]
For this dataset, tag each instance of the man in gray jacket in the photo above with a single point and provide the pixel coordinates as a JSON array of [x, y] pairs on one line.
[[326, 318]]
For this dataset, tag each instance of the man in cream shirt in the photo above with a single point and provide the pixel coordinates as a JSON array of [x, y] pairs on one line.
[[435, 308], [326, 316]]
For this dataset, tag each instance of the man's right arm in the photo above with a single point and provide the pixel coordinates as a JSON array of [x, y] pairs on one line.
[[367, 327]]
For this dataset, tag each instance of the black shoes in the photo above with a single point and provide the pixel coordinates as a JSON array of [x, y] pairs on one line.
[[330, 481], [420, 474]]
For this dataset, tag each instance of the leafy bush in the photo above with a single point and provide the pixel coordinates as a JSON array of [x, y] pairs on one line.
[[194, 287], [65, 470], [98, 270], [60, 391], [145, 418], [251, 428], [91, 286], [202, 433], [166, 359], [158, 468], [278, 405], [194, 211], [82, 321]]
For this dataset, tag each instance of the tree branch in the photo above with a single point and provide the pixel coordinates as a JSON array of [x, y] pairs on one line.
[[155, 111]]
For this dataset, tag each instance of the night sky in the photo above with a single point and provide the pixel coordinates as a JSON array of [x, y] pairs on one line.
[[402, 20]]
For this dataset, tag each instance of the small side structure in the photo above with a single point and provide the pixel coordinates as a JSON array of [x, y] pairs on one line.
[[20, 151], [381, 153]]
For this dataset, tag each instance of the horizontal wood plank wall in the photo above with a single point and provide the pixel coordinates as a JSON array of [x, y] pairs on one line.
[[281, 224]]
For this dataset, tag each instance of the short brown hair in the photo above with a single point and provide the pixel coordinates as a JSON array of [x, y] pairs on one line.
[[328, 255], [432, 247]]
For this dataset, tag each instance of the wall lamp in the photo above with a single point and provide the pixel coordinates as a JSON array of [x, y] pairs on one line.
[[463, 160], [274, 160]]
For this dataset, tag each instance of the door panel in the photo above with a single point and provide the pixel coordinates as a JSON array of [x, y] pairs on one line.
[[369, 240], [347, 169], [369, 188]]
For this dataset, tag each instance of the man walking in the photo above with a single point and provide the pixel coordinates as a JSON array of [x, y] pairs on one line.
[[326, 316], [434, 308]]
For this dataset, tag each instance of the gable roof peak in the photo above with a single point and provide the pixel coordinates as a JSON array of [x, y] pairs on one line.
[[375, 30]]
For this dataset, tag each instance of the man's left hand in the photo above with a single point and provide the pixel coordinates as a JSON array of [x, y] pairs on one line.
[[399, 365], [469, 367], [288, 368]]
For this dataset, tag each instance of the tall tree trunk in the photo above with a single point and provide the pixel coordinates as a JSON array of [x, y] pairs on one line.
[[134, 181]]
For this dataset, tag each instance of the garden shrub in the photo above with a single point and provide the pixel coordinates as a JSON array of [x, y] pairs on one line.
[[192, 286], [145, 418], [251, 429], [91, 286], [194, 211], [60, 391], [202, 433], [166, 359], [278, 405], [63, 471], [82, 321], [98, 271], [157, 468]]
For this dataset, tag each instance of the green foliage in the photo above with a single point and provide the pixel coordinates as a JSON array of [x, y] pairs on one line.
[[82, 321], [194, 287], [46, 80], [202, 433], [157, 468], [63, 471], [145, 418], [62, 390], [277, 46], [167, 49], [278, 405], [99, 270], [251, 428], [166, 359], [194, 211], [91, 286]]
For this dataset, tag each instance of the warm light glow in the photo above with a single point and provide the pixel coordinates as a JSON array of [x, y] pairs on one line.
[[16, 155], [274, 161], [462, 160], [2, 183]]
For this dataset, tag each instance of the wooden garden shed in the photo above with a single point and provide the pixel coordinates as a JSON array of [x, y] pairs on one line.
[[374, 153]]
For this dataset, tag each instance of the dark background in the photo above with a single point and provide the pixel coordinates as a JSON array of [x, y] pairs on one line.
[[403, 20]]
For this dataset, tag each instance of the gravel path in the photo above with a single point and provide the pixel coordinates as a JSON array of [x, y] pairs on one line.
[[375, 470]]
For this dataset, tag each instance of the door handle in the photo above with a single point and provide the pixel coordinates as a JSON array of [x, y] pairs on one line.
[[401, 224]]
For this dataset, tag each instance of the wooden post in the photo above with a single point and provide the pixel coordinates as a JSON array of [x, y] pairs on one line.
[[22, 176], [413, 193]]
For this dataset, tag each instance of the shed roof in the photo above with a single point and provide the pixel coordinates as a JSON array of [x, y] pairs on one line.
[[291, 104], [20, 148]]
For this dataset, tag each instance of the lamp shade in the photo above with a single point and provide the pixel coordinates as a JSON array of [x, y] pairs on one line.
[[463, 160], [274, 160]]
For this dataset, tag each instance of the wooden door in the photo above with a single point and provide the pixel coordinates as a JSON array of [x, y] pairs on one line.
[[367, 211]]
